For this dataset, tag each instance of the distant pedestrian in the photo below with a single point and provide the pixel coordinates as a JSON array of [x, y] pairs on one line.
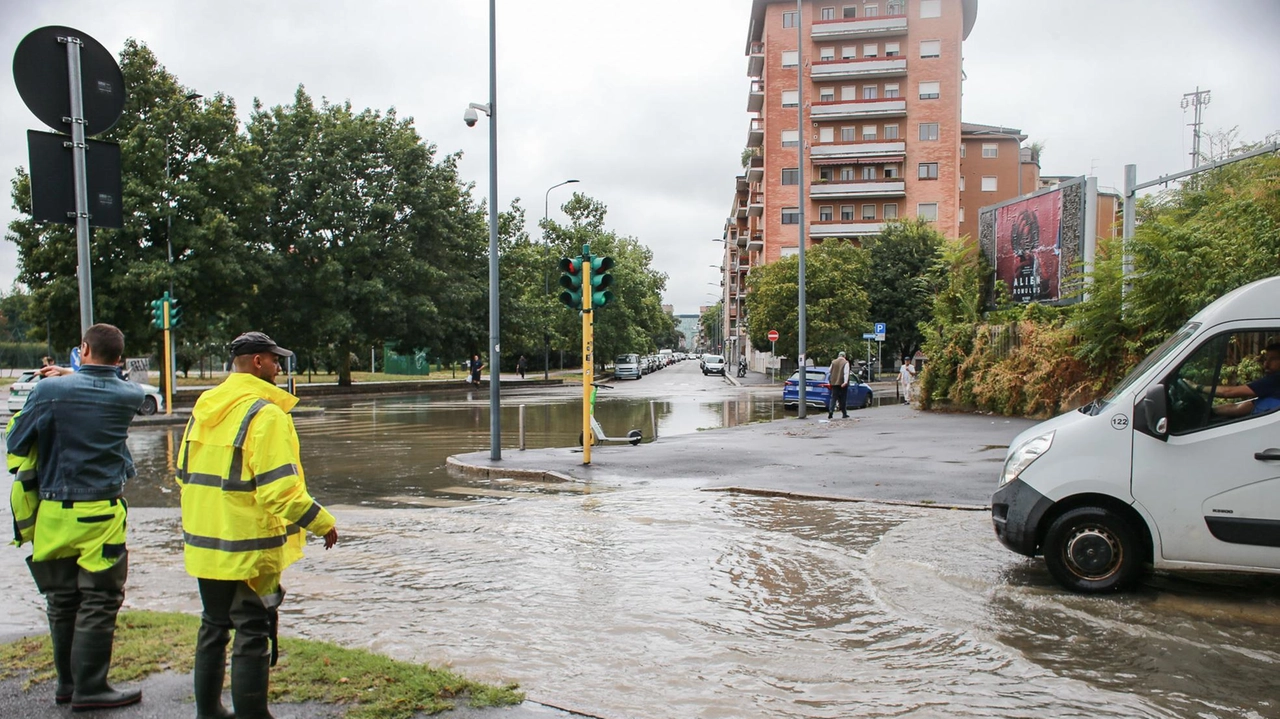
[[46, 361], [521, 365], [905, 376], [474, 366], [838, 379]]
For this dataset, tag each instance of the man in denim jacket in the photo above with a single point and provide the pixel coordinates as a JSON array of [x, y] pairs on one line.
[[78, 425]]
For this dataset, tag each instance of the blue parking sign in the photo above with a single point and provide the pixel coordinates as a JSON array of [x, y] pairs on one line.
[[879, 328], [75, 358]]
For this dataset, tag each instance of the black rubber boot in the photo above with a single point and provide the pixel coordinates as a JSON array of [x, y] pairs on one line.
[[250, 677], [90, 660], [210, 671], [57, 581]]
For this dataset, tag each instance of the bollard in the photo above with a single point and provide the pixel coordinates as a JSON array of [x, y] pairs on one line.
[[653, 420], [522, 427]]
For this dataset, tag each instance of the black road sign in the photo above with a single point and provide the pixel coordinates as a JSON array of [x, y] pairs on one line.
[[40, 72], [53, 197]]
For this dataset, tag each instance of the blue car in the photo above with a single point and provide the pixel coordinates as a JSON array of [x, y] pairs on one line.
[[817, 391]]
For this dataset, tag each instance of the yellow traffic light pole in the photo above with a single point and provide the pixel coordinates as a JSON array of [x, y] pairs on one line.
[[168, 362], [588, 359]]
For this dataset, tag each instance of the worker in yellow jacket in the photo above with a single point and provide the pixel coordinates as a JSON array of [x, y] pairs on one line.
[[244, 508]]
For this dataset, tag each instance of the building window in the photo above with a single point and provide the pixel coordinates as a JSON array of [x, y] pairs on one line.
[[962, 149], [962, 183], [870, 92], [826, 94], [988, 183], [848, 52], [868, 172], [828, 13], [891, 89], [927, 211], [849, 92], [891, 211], [789, 19], [868, 212], [870, 10], [826, 53], [891, 132], [791, 215], [871, 49], [824, 213], [846, 213], [868, 132], [790, 58], [849, 12], [930, 90], [930, 8], [890, 172], [846, 174], [788, 251], [791, 176], [930, 48], [848, 134], [895, 7], [962, 214], [927, 171], [892, 49], [826, 134], [790, 98], [928, 132], [990, 150], [790, 138], [826, 174]]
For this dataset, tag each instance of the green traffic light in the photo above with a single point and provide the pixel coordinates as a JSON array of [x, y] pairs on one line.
[[571, 280], [601, 280]]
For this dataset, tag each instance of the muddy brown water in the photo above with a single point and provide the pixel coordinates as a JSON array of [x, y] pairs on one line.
[[647, 599]]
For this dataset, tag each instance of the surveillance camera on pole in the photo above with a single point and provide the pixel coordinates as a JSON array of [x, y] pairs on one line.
[[471, 117]]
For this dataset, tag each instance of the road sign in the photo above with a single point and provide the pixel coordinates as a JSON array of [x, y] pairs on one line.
[[75, 358], [773, 335], [879, 328], [53, 196], [44, 84], [870, 335]]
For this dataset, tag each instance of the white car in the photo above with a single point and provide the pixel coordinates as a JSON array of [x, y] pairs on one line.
[[19, 390], [712, 364]]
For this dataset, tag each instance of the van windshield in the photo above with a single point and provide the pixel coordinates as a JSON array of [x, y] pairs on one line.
[[1169, 346]]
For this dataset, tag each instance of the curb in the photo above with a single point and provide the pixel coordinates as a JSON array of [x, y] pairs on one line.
[[836, 498], [487, 472], [181, 417]]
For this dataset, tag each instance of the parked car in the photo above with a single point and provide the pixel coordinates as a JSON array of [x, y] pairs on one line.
[[19, 390], [817, 390], [712, 364], [627, 367]]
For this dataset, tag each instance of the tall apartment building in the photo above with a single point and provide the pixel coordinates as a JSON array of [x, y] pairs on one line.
[[873, 90]]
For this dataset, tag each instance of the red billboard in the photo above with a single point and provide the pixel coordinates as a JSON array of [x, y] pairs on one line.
[[1028, 247]]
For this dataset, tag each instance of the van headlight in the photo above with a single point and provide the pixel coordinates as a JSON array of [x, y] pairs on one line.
[[1022, 457]]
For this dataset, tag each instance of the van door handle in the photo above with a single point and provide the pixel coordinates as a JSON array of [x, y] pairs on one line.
[[1268, 455]]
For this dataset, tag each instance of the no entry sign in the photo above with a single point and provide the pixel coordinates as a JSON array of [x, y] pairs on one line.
[[773, 335]]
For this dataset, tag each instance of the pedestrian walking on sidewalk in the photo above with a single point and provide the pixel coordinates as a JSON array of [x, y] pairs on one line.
[[905, 376], [474, 366], [67, 446], [521, 365], [838, 378], [244, 508]]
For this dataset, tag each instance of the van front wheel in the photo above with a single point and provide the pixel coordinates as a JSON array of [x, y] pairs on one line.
[[1091, 550]]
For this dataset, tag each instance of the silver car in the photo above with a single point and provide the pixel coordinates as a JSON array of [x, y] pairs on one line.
[[627, 367], [712, 364], [19, 390]]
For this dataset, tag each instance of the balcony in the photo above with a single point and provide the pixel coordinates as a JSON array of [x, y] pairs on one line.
[[756, 243], [755, 98], [853, 28], [755, 133], [867, 188], [858, 69], [886, 151], [740, 210], [755, 59], [755, 206], [858, 109], [849, 228], [755, 170]]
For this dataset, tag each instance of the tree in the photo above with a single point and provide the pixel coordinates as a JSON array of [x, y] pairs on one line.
[[368, 239], [710, 321], [902, 282], [836, 303]]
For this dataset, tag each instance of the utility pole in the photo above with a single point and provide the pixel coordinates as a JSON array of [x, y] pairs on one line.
[[1198, 100]]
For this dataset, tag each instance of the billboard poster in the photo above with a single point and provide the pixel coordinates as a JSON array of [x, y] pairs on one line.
[[1028, 247]]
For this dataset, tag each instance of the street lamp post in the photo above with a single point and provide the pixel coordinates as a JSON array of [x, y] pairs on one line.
[[495, 348], [546, 278], [171, 372]]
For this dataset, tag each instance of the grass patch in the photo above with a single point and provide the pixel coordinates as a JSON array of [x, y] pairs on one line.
[[370, 685]]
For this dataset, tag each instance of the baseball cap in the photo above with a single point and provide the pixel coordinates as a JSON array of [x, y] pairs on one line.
[[254, 342]]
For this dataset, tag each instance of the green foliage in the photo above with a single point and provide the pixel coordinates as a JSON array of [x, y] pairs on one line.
[[903, 280], [836, 303]]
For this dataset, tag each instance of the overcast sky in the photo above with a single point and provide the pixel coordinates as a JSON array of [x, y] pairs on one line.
[[645, 102]]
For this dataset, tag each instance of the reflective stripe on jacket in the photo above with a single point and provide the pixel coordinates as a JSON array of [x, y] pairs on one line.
[[24, 497], [244, 495]]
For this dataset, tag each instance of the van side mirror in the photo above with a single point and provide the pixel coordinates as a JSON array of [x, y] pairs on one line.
[[1151, 414]]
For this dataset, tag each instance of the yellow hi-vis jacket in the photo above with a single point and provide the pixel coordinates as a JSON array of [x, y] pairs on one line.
[[244, 496], [24, 498]]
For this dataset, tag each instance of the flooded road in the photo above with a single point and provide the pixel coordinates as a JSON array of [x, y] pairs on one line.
[[651, 599]]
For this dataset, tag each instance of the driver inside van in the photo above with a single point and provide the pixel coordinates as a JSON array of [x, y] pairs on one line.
[[1261, 395]]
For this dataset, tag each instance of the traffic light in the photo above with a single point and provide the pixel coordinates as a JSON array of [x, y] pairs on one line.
[[601, 280], [175, 312], [157, 314], [571, 281]]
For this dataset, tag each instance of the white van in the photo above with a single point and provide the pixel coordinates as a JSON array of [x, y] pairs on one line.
[[1176, 468]]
